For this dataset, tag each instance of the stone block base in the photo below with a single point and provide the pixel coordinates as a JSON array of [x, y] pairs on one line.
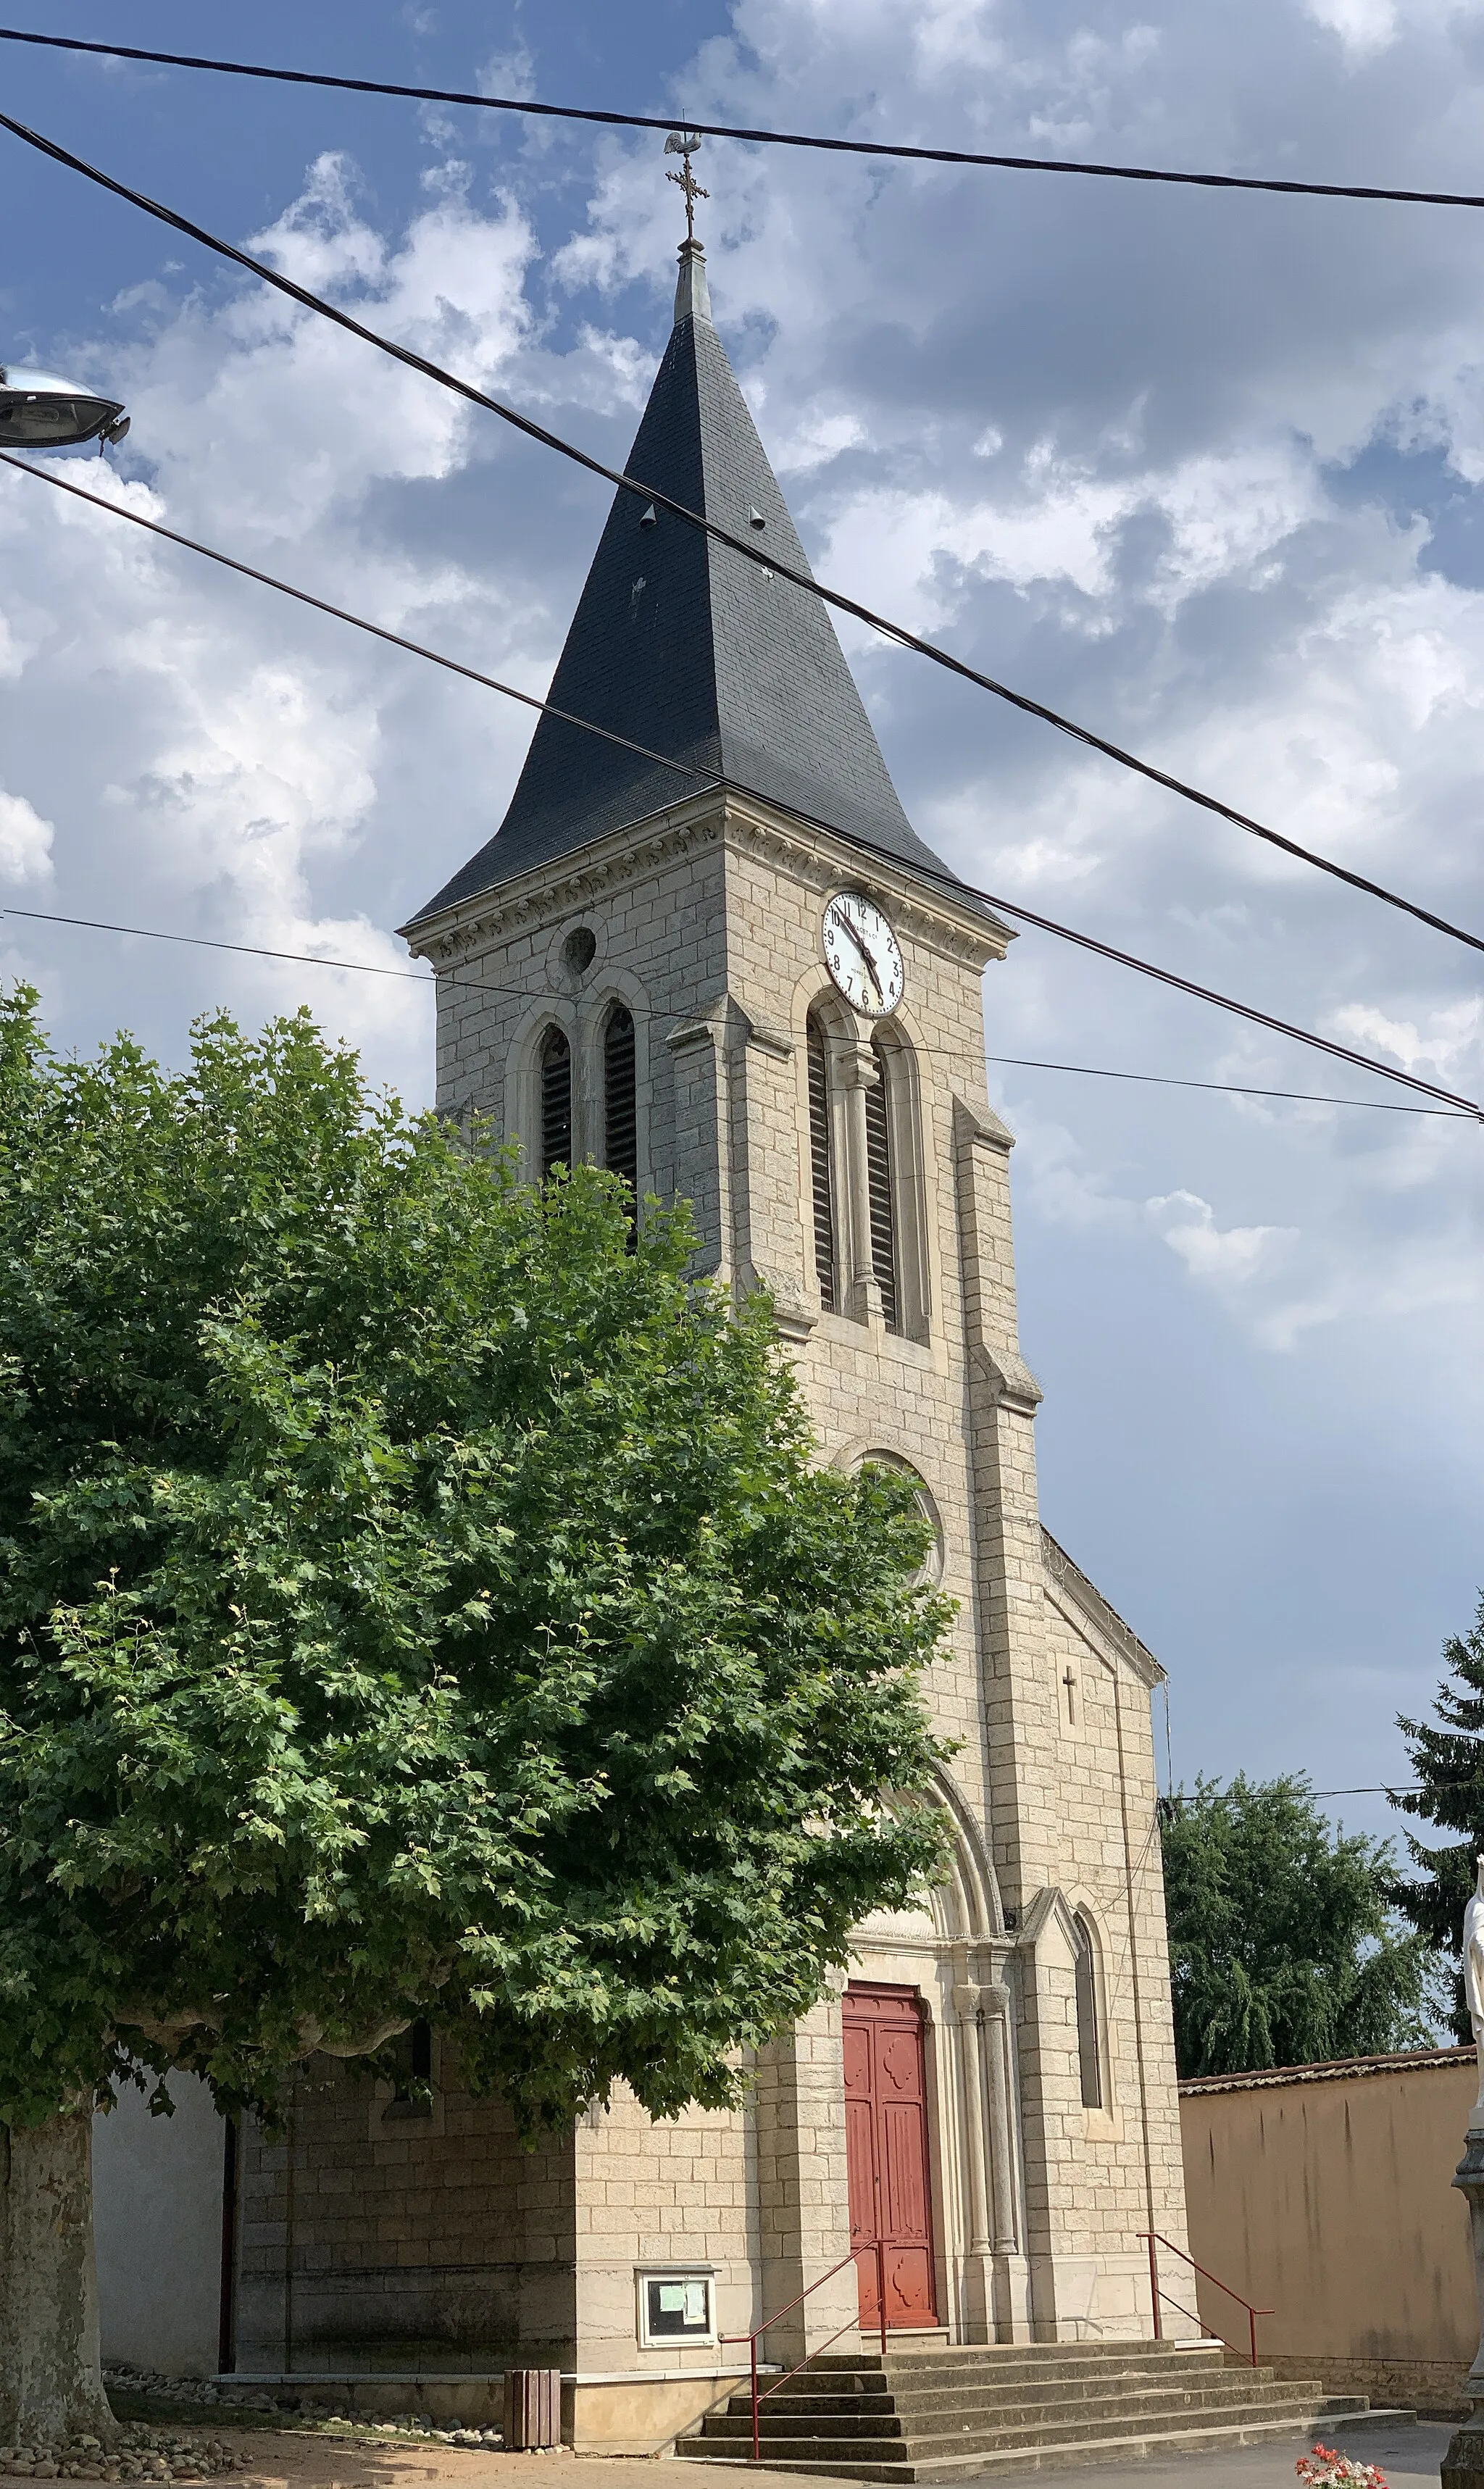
[[617, 2414], [1463, 2465], [1436, 2388], [641, 2415], [451, 2401]]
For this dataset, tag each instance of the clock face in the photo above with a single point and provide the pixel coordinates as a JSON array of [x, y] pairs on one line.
[[863, 953]]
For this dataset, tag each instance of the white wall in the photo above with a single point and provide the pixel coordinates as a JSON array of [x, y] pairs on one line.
[[157, 2197]]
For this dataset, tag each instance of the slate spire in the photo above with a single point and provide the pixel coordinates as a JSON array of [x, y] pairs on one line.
[[681, 644]]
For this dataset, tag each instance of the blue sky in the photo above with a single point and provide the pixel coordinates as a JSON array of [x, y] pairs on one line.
[[1207, 472]]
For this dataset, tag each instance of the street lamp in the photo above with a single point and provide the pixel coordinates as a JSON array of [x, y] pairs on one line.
[[38, 411]]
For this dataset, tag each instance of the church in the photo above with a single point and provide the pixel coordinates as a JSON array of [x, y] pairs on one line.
[[707, 948]]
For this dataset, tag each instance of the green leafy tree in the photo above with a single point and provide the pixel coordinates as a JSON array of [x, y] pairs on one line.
[[1447, 1757], [414, 1603], [1284, 1948]]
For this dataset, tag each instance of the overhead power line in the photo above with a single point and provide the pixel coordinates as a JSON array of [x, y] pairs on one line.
[[358, 621], [890, 149], [768, 559], [944, 879], [247, 949], [1224, 1002], [418, 977], [1224, 1088], [1403, 1790]]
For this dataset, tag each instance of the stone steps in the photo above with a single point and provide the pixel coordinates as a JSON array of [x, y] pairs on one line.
[[887, 2436], [951, 2371], [919, 2414], [933, 2360], [965, 2401], [940, 2432], [1054, 2456]]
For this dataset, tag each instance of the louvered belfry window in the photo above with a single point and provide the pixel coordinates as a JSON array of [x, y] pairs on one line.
[[878, 1188], [620, 1102], [556, 1102], [820, 1165]]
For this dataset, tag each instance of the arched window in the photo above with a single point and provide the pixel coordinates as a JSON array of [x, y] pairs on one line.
[[880, 1187], [1089, 2040], [820, 1170], [556, 1102], [930, 1574], [620, 1099]]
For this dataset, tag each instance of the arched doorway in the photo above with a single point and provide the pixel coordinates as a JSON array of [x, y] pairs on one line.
[[953, 1959], [887, 2153]]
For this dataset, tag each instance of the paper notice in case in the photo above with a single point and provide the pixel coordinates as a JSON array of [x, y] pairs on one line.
[[677, 2306]]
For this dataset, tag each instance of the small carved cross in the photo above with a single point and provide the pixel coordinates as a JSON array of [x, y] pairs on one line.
[[1070, 1683]]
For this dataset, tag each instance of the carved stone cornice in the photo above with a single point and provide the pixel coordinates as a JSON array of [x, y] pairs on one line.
[[812, 856], [816, 856], [546, 895]]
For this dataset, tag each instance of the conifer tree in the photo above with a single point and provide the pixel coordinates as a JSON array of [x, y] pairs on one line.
[[1447, 1758]]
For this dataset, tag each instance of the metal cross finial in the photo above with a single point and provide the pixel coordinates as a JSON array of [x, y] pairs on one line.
[[684, 143]]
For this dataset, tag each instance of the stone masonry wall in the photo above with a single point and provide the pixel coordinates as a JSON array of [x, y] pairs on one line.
[[706, 922], [373, 2237], [679, 2191]]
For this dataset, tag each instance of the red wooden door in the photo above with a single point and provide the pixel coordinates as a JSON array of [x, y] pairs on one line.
[[886, 2151]]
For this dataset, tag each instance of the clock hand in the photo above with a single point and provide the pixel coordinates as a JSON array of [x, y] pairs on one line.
[[870, 958], [841, 917]]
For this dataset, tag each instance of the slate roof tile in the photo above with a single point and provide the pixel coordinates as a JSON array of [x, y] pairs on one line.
[[680, 643]]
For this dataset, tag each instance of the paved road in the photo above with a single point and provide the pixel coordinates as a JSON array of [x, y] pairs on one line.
[[1408, 2457]]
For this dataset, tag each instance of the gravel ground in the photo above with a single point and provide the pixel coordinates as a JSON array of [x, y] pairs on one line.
[[359, 2458], [318, 2450], [145, 2451], [291, 2461], [250, 2405]]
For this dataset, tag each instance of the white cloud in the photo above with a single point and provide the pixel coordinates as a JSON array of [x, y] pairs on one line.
[[1363, 26], [25, 841], [12, 652], [1201, 471], [1230, 1256], [510, 72], [212, 760], [1448, 1049]]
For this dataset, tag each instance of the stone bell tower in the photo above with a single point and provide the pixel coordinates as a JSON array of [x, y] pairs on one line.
[[706, 947]]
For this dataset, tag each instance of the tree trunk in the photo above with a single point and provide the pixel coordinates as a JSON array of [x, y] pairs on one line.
[[51, 2384]]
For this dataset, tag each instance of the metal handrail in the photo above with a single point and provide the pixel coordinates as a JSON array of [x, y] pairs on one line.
[[1156, 2239], [755, 2337]]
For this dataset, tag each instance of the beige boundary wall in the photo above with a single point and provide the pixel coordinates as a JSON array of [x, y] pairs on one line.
[[1325, 2194]]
